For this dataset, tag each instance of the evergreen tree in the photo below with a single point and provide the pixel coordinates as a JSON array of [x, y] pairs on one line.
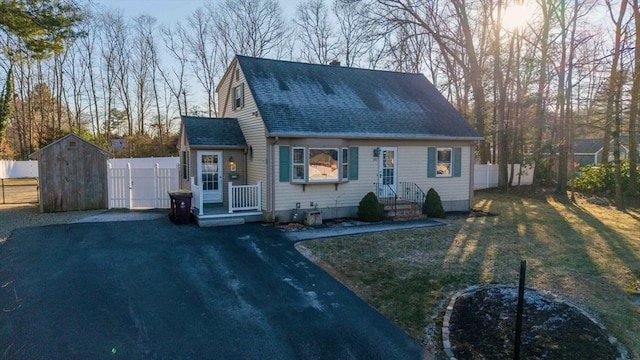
[[42, 26], [5, 103]]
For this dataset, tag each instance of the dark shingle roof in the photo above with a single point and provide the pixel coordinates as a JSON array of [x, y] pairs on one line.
[[203, 131], [323, 100], [587, 146]]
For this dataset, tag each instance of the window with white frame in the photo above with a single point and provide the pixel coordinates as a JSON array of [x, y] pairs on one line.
[[444, 162], [345, 164], [310, 165], [238, 97], [299, 164], [185, 165], [323, 165]]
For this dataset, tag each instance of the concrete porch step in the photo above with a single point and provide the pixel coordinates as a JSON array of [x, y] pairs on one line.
[[217, 217], [210, 222]]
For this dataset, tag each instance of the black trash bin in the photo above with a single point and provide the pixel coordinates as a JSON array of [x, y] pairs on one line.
[[180, 212]]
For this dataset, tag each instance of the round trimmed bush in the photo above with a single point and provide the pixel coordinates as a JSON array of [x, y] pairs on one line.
[[370, 209], [433, 205]]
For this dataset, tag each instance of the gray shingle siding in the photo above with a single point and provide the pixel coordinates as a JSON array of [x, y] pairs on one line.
[[298, 99]]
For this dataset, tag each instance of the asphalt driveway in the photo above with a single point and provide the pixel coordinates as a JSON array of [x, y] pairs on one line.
[[153, 290]]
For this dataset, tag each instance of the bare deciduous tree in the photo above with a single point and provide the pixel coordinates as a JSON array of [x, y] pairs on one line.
[[315, 32], [358, 32], [450, 25], [249, 27], [205, 54]]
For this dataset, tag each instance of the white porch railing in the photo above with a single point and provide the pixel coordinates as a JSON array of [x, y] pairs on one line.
[[196, 190], [241, 197], [245, 197]]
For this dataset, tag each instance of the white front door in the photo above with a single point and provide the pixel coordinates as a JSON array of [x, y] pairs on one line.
[[210, 175], [387, 174]]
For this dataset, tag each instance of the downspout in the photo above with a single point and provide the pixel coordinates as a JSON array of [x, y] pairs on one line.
[[271, 199], [471, 177], [246, 165]]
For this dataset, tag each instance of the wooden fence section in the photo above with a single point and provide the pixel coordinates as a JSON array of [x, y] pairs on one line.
[[141, 188]]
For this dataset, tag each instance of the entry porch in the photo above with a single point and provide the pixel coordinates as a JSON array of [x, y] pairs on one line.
[[243, 204]]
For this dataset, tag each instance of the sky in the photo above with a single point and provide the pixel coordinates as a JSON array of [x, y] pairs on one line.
[[170, 11]]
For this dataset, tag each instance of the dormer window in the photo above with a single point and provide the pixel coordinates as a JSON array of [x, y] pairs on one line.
[[238, 97]]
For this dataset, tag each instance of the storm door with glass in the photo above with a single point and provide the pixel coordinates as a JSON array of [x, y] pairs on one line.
[[387, 174], [210, 175]]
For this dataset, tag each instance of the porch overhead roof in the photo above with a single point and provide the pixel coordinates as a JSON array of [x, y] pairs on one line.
[[213, 132], [299, 99]]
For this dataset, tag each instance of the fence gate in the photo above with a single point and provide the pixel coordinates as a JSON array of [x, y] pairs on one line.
[[141, 188]]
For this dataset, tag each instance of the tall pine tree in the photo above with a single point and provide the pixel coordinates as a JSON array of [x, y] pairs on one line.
[[5, 103], [41, 26]]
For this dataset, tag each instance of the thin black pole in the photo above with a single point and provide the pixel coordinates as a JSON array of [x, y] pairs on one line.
[[523, 271]]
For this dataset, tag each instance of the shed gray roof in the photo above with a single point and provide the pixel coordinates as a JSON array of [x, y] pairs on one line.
[[298, 99], [36, 154], [204, 131]]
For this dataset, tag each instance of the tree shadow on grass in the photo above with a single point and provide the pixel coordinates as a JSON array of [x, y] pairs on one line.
[[576, 255]]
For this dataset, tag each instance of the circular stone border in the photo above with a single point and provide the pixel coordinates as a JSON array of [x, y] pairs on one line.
[[470, 290]]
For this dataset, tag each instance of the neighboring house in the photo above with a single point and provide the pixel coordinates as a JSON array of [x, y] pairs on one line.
[[589, 151], [319, 137]]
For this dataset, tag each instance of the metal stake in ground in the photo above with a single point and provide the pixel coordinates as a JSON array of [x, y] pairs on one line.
[[523, 271]]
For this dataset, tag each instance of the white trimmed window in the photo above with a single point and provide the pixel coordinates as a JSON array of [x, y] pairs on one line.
[[345, 164], [318, 165], [238, 97], [185, 165], [298, 165], [323, 165], [444, 162]]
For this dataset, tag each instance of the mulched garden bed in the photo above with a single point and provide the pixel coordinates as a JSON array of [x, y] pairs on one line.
[[482, 326]]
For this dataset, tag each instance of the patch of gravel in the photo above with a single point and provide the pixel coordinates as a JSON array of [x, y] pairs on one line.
[[19, 216]]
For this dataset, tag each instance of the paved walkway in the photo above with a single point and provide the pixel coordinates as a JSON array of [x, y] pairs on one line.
[[352, 228]]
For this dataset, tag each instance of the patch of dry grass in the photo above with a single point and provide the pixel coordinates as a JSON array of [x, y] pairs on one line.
[[586, 253]]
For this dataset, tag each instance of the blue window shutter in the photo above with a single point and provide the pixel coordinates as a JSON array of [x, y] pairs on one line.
[[431, 162], [353, 163], [285, 164], [457, 162]]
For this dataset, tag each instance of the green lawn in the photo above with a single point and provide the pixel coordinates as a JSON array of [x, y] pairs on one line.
[[587, 254]]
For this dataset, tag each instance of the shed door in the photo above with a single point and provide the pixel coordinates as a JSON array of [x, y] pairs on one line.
[[210, 175]]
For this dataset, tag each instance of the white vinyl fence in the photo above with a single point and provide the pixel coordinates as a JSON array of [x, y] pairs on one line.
[[142, 183], [486, 176], [12, 169], [145, 182]]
